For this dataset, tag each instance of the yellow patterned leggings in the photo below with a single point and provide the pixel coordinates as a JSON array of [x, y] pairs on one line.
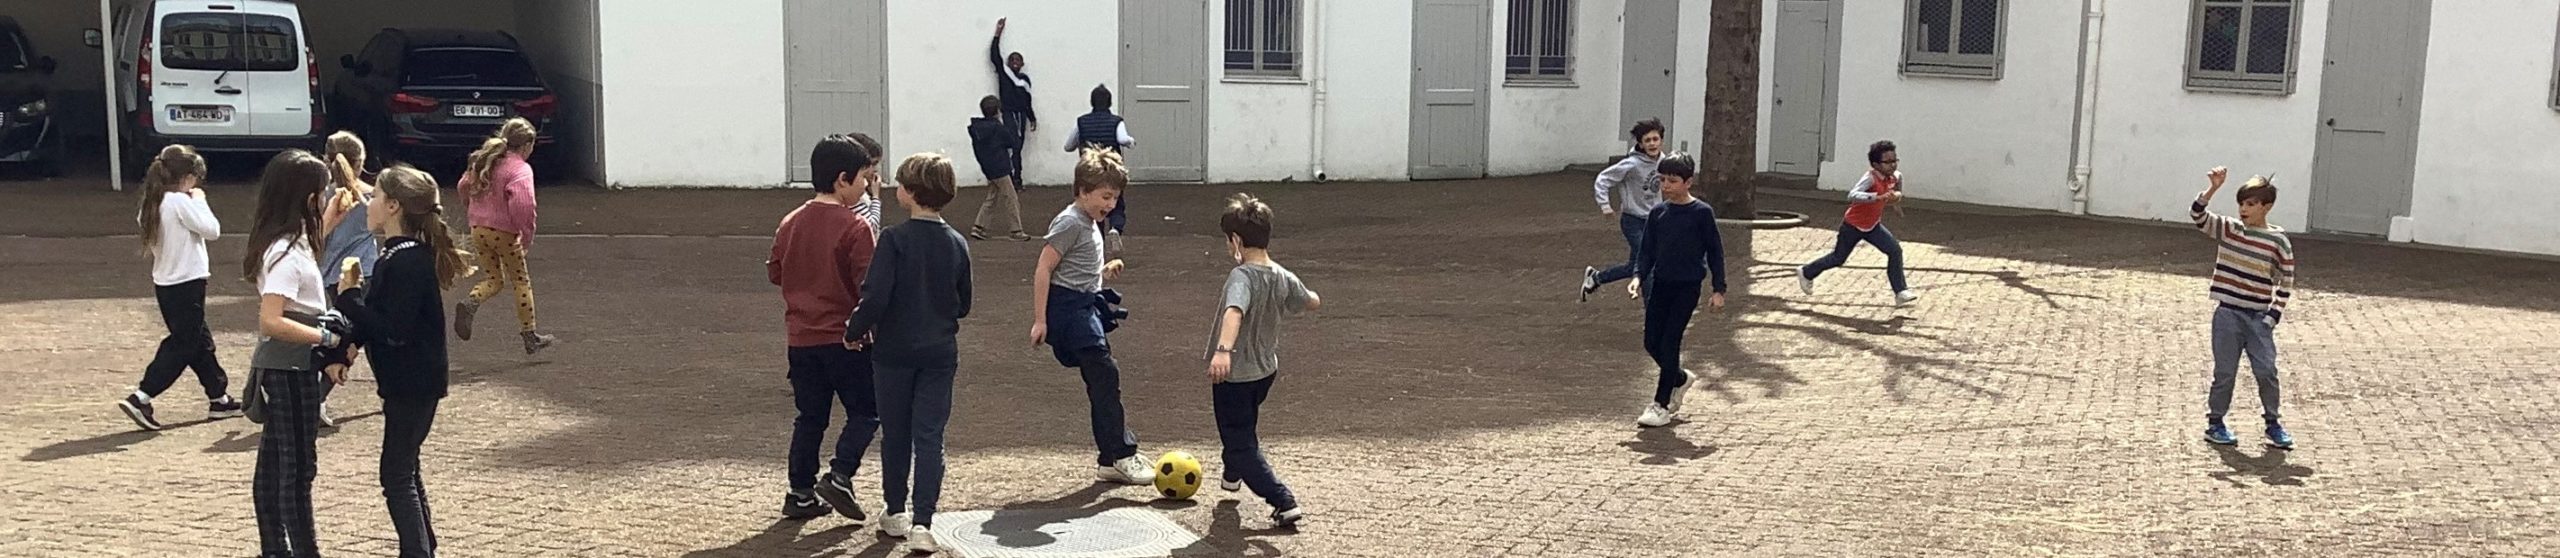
[[503, 261]]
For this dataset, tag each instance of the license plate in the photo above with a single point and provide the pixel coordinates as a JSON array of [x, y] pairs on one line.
[[200, 114], [479, 111]]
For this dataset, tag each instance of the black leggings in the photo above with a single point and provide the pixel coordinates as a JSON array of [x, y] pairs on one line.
[[404, 428], [189, 344]]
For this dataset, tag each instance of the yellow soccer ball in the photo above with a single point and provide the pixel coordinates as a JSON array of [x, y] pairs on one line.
[[1177, 475]]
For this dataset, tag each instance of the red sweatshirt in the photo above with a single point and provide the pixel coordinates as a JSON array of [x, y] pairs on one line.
[[820, 254]]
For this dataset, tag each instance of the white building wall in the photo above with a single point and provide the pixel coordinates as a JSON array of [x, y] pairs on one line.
[[694, 96], [938, 70], [1998, 142], [1259, 127], [1368, 94], [2155, 139], [1543, 128], [2489, 142]]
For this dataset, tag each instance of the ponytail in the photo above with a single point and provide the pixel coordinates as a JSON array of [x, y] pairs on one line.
[[515, 134], [170, 168], [422, 217]]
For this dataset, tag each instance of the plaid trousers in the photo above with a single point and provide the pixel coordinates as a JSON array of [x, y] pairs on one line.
[[287, 462]]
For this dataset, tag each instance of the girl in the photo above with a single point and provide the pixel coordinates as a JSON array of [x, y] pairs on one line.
[[344, 221], [290, 296], [400, 320], [176, 224], [499, 184]]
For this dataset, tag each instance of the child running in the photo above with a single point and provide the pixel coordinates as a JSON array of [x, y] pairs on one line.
[[288, 360], [1068, 305], [499, 185], [913, 298], [398, 316], [821, 252], [1627, 190], [176, 224], [1879, 187], [1680, 246], [1244, 351], [2253, 272]]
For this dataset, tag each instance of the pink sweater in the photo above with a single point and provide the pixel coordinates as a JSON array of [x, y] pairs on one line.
[[508, 204]]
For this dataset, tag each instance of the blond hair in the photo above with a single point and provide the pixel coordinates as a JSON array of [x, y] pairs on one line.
[[927, 177], [169, 169], [516, 134], [344, 152], [1099, 167], [422, 217]]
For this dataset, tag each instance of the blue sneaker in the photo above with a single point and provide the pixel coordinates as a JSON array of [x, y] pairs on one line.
[[2219, 435], [2276, 436]]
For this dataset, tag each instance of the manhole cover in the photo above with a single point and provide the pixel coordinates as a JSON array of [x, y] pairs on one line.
[[1134, 532]]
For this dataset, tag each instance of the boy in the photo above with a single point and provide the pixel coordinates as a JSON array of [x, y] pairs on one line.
[[1637, 189], [912, 303], [1679, 247], [1066, 311], [995, 145], [1014, 87], [868, 204], [2252, 281], [1101, 128], [1244, 351], [1881, 186], [820, 254]]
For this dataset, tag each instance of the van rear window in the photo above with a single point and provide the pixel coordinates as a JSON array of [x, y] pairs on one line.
[[229, 42]]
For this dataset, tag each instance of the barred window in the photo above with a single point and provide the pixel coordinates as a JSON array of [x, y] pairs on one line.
[[2555, 75], [2242, 45], [1262, 38], [1963, 38], [1539, 47]]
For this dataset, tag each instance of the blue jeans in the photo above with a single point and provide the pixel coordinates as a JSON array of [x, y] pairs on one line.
[[915, 404], [1632, 226], [2239, 332], [1238, 408], [822, 377], [1849, 237], [1667, 308]]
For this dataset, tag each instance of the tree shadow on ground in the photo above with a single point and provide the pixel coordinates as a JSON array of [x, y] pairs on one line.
[[2007, 277], [1664, 446], [783, 538], [2270, 467]]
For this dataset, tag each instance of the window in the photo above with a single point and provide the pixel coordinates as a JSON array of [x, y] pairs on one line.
[[1262, 38], [2242, 45], [233, 42], [1540, 45], [1954, 37], [2555, 75], [484, 67]]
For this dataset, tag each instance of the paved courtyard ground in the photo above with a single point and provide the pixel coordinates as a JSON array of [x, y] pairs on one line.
[[1451, 398]]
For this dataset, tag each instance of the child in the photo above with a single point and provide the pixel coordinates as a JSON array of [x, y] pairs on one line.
[[1881, 186], [1637, 189], [344, 224], [1014, 87], [398, 316], [995, 145], [1103, 129], [280, 261], [1244, 351], [1066, 302], [499, 183], [176, 224], [1680, 246], [912, 301], [820, 254], [867, 204], [2252, 282]]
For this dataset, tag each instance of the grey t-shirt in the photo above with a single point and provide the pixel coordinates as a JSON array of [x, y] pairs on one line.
[[1079, 244], [1264, 293]]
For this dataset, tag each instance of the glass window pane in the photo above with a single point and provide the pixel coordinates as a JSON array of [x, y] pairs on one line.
[[2218, 39], [2270, 34], [1981, 27], [469, 67], [1239, 60], [1937, 19], [1517, 42]]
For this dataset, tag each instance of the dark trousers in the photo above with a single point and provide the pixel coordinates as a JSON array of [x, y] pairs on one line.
[[1119, 216], [1633, 228], [1112, 438], [915, 405], [405, 423], [1850, 236], [287, 461], [1238, 408], [1018, 124], [822, 377], [189, 344], [1667, 307]]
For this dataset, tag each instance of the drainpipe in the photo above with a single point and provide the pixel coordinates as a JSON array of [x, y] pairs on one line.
[[2084, 107], [1314, 57]]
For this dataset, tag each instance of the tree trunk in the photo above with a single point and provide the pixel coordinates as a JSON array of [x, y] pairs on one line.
[[1728, 159]]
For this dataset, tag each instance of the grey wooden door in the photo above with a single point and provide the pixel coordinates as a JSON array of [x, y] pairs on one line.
[[1647, 84], [1452, 61], [2368, 147], [1798, 128], [835, 67], [1164, 65]]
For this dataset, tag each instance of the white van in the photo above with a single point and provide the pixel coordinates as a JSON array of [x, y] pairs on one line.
[[220, 75]]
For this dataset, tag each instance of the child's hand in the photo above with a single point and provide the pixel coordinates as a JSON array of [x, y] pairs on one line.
[[1000, 26], [1716, 302], [1219, 366], [2215, 177], [1039, 333], [1607, 212], [858, 344], [1111, 269], [337, 374], [1635, 288], [349, 278]]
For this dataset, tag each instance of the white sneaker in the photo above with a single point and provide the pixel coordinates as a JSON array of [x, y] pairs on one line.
[[1590, 281], [920, 539], [1681, 393], [1231, 486], [898, 525], [1804, 282], [1133, 469], [327, 420], [1654, 415], [1904, 296], [1288, 518]]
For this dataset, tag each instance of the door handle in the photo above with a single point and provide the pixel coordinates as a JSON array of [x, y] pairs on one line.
[[227, 90], [2333, 123]]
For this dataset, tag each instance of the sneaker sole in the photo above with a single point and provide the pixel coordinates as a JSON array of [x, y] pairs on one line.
[[219, 415], [804, 516], [840, 499], [139, 419], [462, 321], [2233, 442], [1680, 394]]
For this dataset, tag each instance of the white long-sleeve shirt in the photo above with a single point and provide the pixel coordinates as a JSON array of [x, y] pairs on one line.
[[186, 224]]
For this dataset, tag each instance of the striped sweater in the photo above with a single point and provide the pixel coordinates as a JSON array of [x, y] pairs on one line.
[[2252, 268]]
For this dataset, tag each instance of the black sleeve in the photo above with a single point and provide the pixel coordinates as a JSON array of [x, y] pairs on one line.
[[384, 313], [876, 287], [964, 279], [1715, 252], [995, 58]]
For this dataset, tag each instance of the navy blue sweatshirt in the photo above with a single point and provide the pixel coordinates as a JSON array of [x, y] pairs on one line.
[[398, 317], [1016, 96], [915, 295], [1681, 243], [994, 144]]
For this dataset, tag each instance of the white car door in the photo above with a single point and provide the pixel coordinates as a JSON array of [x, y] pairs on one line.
[[279, 70]]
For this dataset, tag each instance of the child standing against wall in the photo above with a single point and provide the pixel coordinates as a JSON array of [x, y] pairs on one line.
[[1104, 130]]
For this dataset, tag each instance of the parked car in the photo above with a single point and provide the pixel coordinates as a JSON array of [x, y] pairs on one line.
[[221, 75], [27, 134], [429, 96]]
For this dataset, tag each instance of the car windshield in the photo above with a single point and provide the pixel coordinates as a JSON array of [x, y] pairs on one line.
[[227, 42], [468, 67]]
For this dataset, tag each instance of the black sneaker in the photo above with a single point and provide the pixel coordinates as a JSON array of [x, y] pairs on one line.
[[140, 411], [222, 409], [838, 492], [802, 506], [1288, 518]]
